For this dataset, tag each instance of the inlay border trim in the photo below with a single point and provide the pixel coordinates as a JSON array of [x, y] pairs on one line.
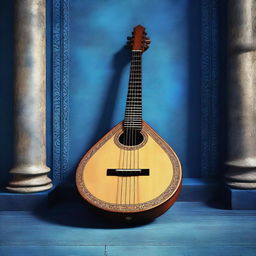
[[209, 88], [60, 62]]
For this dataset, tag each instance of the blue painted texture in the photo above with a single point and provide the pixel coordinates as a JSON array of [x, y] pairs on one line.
[[186, 229], [240, 199], [99, 71]]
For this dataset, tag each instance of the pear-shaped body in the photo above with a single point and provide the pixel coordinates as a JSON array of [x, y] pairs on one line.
[[136, 181]]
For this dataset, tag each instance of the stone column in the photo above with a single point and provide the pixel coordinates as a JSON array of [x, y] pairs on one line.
[[241, 95], [30, 170]]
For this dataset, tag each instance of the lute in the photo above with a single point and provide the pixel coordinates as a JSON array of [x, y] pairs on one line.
[[131, 174]]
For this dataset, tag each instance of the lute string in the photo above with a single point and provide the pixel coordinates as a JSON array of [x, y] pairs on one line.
[[140, 111], [131, 119]]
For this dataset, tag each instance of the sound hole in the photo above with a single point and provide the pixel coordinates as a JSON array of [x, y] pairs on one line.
[[131, 137]]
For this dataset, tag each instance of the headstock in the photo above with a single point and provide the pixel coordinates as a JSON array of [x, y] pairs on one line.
[[139, 39]]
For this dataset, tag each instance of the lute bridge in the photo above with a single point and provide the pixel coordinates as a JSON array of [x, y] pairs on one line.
[[127, 172]]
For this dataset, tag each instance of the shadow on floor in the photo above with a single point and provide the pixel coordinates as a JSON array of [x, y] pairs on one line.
[[68, 209]]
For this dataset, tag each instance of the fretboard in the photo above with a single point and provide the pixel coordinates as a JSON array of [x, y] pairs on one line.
[[133, 110]]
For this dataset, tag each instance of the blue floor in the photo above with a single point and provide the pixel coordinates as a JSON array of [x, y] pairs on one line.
[[188, 228]]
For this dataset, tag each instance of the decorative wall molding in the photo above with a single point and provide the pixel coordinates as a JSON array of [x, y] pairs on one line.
[[209, 87], [60, 53]]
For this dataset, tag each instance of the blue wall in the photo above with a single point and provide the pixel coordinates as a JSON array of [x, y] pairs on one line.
[[99, 71], [179, 78]]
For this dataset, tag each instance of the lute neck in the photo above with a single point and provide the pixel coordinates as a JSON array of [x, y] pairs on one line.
[[133, 110]]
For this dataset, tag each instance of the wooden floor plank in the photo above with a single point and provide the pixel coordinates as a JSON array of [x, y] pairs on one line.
[[52, 250], [179, 251], [126, 251], [189, 228]]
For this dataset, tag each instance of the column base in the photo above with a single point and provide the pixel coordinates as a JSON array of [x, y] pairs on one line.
[[240, 199], [241, 175], [29, 179], [29, 189]]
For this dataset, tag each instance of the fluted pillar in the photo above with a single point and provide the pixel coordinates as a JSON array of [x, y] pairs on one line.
[[241, 96], [30, 171]]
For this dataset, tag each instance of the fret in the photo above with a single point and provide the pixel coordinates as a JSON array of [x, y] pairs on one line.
[[133, 114], [137, 107], [134, 87], [132, 125], [134, 111], [132, 121], [133, 107], [137, 117], [133, 117], [133, 80]]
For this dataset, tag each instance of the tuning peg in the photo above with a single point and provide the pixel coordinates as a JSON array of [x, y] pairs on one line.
[[129, 38], [147, 41]]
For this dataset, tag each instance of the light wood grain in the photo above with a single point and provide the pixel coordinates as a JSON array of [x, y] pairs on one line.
[[128, 190]]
